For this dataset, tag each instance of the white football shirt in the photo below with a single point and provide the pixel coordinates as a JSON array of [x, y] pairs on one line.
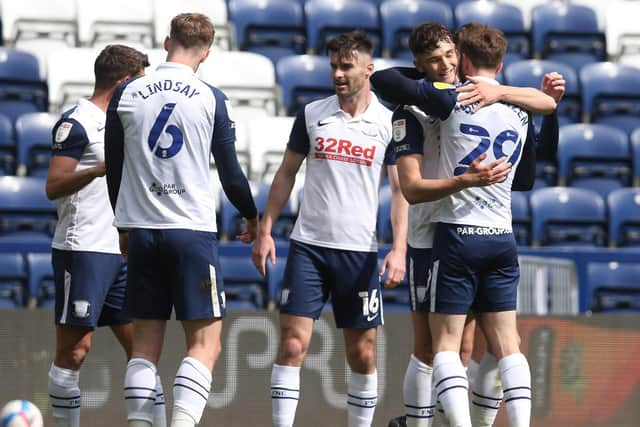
[[169, 120], [85, 218], [345, 156]]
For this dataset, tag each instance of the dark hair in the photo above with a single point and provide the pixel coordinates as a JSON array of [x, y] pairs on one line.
[[484, 46], [115, 62], [425, 37], [346, 43], [192, 30]]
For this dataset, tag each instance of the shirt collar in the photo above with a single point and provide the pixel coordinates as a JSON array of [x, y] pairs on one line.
[[175, 66], [369, 115], [92, 110]]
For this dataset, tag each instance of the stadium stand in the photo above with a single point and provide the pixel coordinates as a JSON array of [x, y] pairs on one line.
[[267, 148], [565, 216], [21, 90], [635, 155], [41, 291], [244, 287], [67, 84], [7, 147], [274, 28], [24, 208], [33, 142], [614, 287], [12, 278], [521, 217], [400, 17], [624, 217], [303, 78], [623, 34], [51, 20]]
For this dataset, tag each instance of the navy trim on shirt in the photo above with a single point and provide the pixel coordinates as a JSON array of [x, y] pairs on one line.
[[299, 137], [75, 142]]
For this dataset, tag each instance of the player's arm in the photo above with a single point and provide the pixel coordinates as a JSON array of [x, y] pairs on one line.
[[233, 180], [69, 142], [408, 137], [436, 99], [280, 191], [394, 263], [114, 147], [485, 93]]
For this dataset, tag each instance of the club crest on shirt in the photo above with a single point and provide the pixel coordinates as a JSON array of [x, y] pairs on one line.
[[399, 129], [63, 131]]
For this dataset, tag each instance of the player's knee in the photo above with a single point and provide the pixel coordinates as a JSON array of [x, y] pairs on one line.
[[72, 358], [292, 349], [362, 358]]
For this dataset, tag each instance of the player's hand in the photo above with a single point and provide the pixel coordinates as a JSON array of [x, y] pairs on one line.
[[480, 175], [395, 263], [480, 92], [123, 237], [250, 230], [99, 169], [263, 247], [554, 85]]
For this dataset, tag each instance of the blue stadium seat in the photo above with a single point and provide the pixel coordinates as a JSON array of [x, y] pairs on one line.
[[529, 73], [275, 275], [21, 89], [568, 33], [383, 227], [274, 28], [24, 207], [635, 154], [12, 278], [593, 150], [613, 287], [601, 185], [326, 19], [33, 141], [506, 17], [400, 17], [41, 287], [303, 78], [611, 94], [624, 217], [244, 287], [7, 147], [565, 216], [521, 217]]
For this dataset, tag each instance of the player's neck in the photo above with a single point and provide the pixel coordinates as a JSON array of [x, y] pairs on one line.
[[101, 99], [356, 104]]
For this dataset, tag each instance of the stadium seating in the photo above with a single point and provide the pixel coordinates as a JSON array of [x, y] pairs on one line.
[[67, 84], [41, 287], [244, 287], [611, 95], [274, 28], [601, 185], [565, 216], [121, 21], [326, 19], [567, 32], [39, 19], [21, 90], [635, 154], [33, 141], [267, 148], [521, 217], [399, 17], [7, 147], [275, 275], [624, 217], [216, 10], [593, 150], [623, 34], [505, 17], [303, 78], [383, 228], [246, 78], [24, 207], [529, 73], [12, 278], [613, 287]]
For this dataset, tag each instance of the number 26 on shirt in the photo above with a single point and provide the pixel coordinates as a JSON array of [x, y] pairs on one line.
[[485, 144]]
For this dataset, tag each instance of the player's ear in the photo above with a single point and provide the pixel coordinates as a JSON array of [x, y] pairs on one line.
[[369, 69], [166, 44], [205, 55], [499, 68]]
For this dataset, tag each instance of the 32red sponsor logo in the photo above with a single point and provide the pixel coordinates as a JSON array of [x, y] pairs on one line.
[[344, 150]]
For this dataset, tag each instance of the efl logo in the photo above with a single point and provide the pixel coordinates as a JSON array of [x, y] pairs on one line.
[[344, 150]]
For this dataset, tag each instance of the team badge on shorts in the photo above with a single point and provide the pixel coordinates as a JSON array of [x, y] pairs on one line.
[[81, 309]]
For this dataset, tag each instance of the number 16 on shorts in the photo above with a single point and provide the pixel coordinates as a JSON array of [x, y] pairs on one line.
[[370, 304]]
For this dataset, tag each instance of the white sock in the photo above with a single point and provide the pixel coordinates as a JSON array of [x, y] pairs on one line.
[[64, 393], [442, 419], [472, 372], [159, 407], [486, 393], [138, 423], [140, 390], [516, 383], [417, 393], [362, 397], [285, 392], [451, 385], [191, 390]]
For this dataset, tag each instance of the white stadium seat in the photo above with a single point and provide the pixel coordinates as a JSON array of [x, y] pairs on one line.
[[67, 83], [124, 21], [623, 33], [268, 139], [246, 78], [216, 10], [41, 19]]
